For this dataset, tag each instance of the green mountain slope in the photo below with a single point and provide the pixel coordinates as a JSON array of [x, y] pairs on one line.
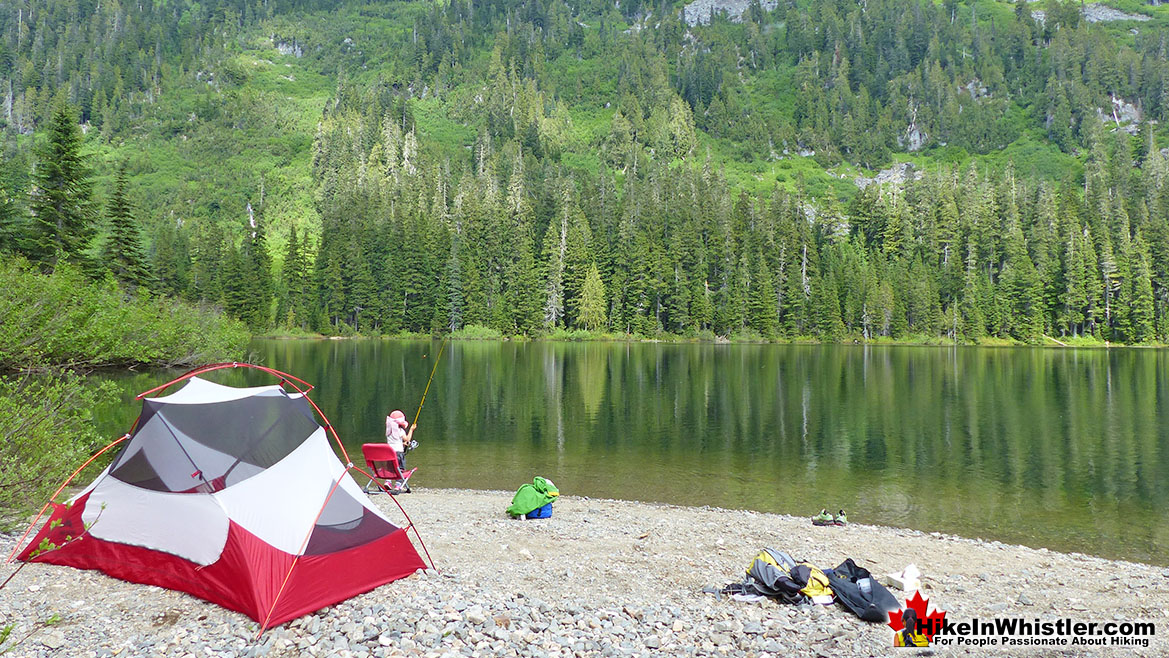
[[426, 150]]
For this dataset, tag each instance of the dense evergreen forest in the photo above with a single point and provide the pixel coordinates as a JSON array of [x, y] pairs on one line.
[[537, 166]]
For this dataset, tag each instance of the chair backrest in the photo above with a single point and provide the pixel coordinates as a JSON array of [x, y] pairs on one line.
[[382, 460]]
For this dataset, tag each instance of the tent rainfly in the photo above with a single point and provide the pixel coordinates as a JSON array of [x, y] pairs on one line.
[[233, 495]]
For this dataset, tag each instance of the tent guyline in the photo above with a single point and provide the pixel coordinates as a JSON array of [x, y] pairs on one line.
[[237, 535]]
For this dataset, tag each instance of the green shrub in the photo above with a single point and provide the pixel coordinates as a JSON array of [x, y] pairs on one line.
[[476, 332], [748, 335], [64, 319], [46, 432]]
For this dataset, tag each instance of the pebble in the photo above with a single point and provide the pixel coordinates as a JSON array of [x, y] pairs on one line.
[[53, 640], [475, 615], [576, 590]]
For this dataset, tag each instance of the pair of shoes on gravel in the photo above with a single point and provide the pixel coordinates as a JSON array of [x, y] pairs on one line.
[[824, 518]]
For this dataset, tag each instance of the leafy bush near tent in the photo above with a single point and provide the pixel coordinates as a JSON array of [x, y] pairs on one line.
[[65, 319], [46, 432]]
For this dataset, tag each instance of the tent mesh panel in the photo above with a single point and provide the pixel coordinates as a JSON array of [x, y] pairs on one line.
[[188, 448], [345, 523]]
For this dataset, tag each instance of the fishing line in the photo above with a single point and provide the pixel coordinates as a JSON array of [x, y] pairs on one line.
[[432, 371]]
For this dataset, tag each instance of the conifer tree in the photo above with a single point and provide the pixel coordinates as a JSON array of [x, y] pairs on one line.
[[62, 205], [207, 258], [290, 280], [732, 316], [1112, 281], [973, 325], [762, 314], [1084, 283], [592, 307], [1021, 288], [171, 258], [122, 252], [454, 278], [363, 294], [302, 298], [471, 228], [577, 259], [236, 293], [826, 297], [13, 218], [330, 284], [256, 268], [555, 255], [1141, 313]]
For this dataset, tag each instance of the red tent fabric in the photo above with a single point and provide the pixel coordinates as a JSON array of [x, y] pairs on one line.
[[234, 496]]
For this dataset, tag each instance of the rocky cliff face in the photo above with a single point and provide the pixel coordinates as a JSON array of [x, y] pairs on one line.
[[700, 11], [1098, 13]]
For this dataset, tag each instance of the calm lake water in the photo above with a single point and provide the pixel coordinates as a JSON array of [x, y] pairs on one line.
[[1067, 449]]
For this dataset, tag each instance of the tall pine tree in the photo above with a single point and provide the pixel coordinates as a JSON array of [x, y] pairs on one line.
[[62, 196], [122, 253], [592, 305]]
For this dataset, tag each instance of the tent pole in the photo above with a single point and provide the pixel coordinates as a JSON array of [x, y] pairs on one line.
[[296, 558], [221, 366], [409, 521], [328, 424], [16, 549], [285, 378]]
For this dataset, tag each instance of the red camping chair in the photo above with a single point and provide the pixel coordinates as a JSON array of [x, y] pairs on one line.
[[382, 461]]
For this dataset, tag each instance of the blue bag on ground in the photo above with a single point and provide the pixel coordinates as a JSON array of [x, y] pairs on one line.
[[531, 497]]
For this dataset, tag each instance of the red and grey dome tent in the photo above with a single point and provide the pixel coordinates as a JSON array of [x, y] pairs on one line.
[[233, 495]]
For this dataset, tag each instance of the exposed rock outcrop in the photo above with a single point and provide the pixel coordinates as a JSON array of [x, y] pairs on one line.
[[700, 11], [897, 174]]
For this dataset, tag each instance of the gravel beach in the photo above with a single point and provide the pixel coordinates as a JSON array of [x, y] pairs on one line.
[[599, 578]]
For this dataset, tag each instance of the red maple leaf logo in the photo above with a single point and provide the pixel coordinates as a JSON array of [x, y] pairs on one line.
[[929, 623]]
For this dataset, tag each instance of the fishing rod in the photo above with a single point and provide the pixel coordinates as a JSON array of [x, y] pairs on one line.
[[432, 371]]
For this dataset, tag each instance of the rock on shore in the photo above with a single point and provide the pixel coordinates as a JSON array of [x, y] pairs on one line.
[[600, 578]]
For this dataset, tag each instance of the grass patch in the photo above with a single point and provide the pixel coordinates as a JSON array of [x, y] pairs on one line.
[[476, 332], [286, 333]]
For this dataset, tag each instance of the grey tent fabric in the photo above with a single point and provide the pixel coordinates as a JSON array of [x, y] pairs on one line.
[[206, 447]]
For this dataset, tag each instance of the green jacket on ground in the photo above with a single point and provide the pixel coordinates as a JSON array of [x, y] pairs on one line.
[[533, 496]]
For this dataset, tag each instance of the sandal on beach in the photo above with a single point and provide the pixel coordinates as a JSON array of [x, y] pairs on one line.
[[823, 518]]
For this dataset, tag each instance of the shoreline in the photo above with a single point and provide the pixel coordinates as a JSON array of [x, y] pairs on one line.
[[601, 577], [1049, 342]]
